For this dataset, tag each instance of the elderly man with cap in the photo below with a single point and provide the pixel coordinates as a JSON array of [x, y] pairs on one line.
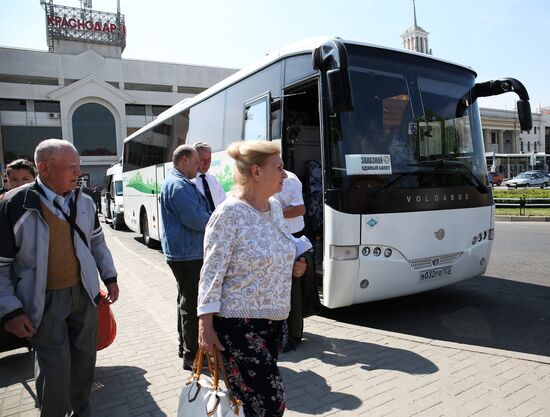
[[51, 249]]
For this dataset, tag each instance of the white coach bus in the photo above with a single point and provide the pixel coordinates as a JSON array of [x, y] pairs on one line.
[[388, 144]]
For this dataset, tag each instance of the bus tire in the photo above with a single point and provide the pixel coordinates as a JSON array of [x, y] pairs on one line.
[[145, 230]]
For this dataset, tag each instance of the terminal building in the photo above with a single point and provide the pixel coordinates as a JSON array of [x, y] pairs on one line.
[[82, 90], [508, 150]]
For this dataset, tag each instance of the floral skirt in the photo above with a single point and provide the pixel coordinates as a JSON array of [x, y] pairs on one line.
[[250, 358]]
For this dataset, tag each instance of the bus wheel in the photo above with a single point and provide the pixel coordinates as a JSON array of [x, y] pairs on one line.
[[145, 231]]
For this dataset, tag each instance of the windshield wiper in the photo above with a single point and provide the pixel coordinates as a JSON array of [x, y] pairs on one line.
[[442, 163], [392, 184]]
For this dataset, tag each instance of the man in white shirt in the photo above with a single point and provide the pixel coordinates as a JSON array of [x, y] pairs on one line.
[[207, 184], [292, 202]]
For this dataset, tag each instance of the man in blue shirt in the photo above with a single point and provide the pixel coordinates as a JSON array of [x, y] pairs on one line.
[[185, 212]]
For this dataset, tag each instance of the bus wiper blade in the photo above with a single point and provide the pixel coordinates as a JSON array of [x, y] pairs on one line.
[[442, 163], [392, 184]]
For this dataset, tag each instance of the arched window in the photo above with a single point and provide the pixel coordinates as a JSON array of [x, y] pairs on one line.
[[94, 131]]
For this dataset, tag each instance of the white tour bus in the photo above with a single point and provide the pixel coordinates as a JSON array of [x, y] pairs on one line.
[[388, 145]]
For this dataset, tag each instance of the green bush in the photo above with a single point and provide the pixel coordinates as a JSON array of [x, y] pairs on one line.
[[523, 192]]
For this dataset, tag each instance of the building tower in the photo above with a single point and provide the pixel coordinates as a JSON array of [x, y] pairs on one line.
[[74, 30], [415, 38]]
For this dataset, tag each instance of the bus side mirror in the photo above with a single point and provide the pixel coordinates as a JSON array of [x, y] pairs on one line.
[[339, 91], [108, 195], [494, 88], [524, 115], [331, 59]]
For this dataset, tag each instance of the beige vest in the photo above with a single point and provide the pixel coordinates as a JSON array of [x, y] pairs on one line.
[[63, 266]]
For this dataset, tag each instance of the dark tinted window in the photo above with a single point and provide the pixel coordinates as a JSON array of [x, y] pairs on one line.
[[135, 110], [28, 79], [118, 187], [46, 106], [180, 128], [149, 148], [276, 119], [158, 109], [190, 90], [94, 131], [13, 105], [298, 67], [148, 87], [20, 141], [268, 79]]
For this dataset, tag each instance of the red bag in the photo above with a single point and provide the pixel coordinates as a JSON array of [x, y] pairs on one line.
[[106, 324]]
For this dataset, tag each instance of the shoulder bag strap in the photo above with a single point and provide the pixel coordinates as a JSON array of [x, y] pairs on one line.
[[72, 218]]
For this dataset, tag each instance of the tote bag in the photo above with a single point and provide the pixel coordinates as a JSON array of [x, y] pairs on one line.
[[106, 324], [203, 396]]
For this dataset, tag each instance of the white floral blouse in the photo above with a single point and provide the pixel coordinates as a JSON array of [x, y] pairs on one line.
[[248, 259]]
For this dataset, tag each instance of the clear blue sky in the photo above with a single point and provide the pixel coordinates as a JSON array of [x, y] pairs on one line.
[[506, 38]]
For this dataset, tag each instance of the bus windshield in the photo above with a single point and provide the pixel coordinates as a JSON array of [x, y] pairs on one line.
[[402, 148], [118, 187]]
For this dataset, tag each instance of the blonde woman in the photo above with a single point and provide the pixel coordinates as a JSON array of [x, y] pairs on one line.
[[244, 289]]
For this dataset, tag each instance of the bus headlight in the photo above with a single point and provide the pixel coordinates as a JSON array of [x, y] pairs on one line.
[[344, 253]]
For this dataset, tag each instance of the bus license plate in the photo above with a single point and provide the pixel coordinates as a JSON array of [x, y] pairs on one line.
[[434, 274]]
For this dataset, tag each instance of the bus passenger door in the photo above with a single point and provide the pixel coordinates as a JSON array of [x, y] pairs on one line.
[[156, 231], [301, 150]]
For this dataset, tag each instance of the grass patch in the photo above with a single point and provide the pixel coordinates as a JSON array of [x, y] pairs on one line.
[[514, 211]]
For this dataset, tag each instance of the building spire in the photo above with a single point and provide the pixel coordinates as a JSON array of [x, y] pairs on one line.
[[416, 38]]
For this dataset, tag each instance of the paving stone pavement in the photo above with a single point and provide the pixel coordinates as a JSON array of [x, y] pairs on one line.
[[338, 370]]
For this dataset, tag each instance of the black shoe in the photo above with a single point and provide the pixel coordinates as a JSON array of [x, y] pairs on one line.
[[188, 361], [290, 344]]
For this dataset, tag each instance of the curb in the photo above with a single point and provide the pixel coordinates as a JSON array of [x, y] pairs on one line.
[[439, 343], [522, 218]]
